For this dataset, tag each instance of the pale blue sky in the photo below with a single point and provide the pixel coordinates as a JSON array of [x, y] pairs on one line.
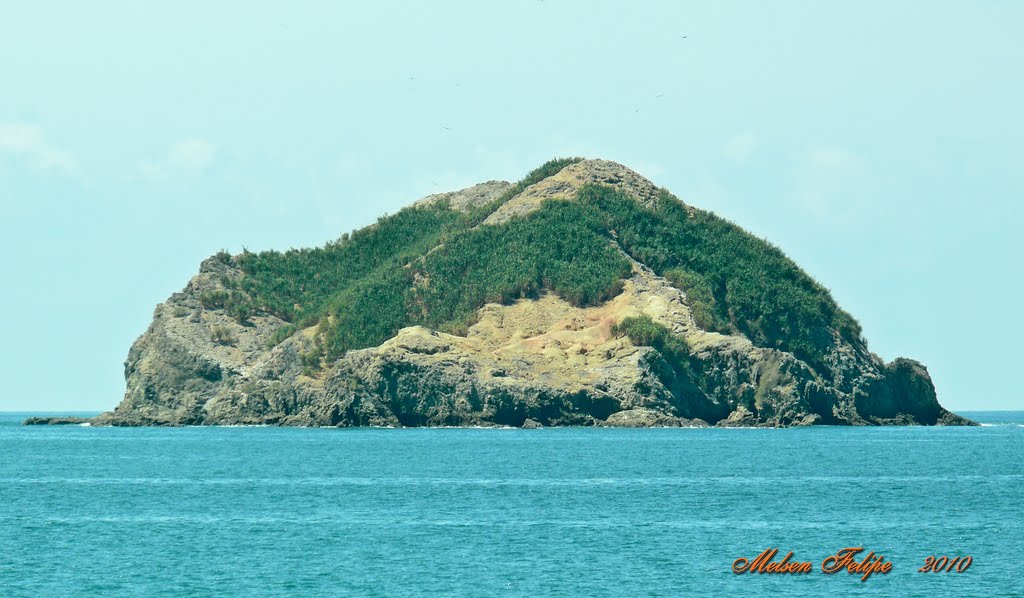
[[879, 144]]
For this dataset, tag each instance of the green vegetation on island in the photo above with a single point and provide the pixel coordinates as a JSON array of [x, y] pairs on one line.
[[436, 267]]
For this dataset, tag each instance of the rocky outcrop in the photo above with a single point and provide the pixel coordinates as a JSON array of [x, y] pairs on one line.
[[569, 180], [537, 362], [58, 421], [469, 198], [650, 418]]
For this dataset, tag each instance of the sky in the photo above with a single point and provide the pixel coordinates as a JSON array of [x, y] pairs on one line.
[[879, 144]]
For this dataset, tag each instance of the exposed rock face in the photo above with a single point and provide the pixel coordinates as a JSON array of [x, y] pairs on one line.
[[469, 198], [537, 362], [566, 183]]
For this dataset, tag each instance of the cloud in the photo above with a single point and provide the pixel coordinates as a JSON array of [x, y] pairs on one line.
[[185, 160], [708, 194], [835, 160], [348, 164], [27, 143], [827, 175], [647, 170], [740, 147]]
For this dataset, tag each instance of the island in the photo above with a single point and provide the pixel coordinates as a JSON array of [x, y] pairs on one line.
[[582, 295]]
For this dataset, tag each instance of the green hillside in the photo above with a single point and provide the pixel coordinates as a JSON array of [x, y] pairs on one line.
[[436, 267]]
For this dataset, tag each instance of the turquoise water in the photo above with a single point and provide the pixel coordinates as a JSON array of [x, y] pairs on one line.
[[268, 511]]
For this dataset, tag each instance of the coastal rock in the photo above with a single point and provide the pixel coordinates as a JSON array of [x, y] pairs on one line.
[[650, 418], [57, 421]]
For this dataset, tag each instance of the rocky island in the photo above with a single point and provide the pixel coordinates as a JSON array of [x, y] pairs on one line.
[[582, 295]]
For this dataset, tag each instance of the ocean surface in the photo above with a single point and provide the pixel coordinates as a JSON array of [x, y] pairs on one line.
[[557, 512]]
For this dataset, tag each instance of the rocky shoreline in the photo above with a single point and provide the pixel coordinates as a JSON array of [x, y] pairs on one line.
[[633, 418]]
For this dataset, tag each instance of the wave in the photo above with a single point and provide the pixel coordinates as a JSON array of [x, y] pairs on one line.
[[517, 482]]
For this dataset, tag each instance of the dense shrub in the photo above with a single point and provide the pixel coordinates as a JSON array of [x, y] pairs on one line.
[[214, 299], [701, 299], [297, 285], [645, 332], [740, 283], [222, 335]]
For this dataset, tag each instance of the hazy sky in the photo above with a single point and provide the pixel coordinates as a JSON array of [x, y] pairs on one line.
[[881, 145]]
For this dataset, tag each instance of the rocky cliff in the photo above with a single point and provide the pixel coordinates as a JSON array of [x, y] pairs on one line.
[[234, 348]]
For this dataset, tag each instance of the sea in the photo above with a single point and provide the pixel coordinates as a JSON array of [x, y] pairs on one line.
[[266, 511]]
